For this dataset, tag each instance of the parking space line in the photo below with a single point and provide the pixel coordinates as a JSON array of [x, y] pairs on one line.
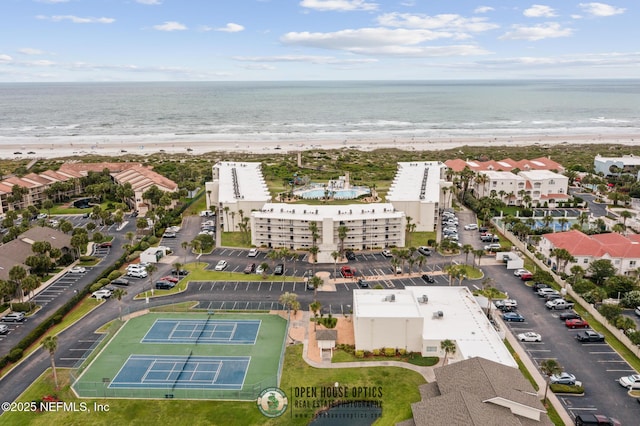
[[627, 370]]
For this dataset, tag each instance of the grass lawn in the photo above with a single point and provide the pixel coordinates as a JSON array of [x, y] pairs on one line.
[[399, 389], [198, 205], [234, 239], [421, 238]]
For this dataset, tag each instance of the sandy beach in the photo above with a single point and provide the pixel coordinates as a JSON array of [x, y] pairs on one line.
[[48, 149]]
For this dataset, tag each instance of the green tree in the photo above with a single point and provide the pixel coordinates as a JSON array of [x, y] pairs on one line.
[[315, 307], [50, 344], [600, 270], [549, 367], [335, 255], [119, 293], [449, 347], [316, 282], [17, 274]]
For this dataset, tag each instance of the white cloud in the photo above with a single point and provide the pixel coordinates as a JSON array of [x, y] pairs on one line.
[[30, 51], [436, 22], [537, 32], [565, 61], [338, 5], [539, 11], [601, 9], [149, 2], [76, 19], [382, 41], [231, 28], [5, 58], [304, 58], [483, 9], [170, 26]]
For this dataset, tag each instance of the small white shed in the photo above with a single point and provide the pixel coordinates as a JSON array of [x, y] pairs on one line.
[[326, 341], [512, 260], [154, 254]]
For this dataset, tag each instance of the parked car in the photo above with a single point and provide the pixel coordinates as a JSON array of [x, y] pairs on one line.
[[552, 296], [362, 283], [493, 247], [250, 268], [180, 273], [4, 329], [489, 238], [452, 237], [568, 316], [563, 378], [13, 317], [101, 294], [529, 336], [171, 279], [471, 227], [424, 250], [136, 267], [589, 419], [164, 285], [526, 276], [386, 253], [576, 323], [346, 272], [637, 311], [279, 269], [253, 252], [78, 270], [589, 336], [120, 281], [106, 244], [547, 290], [428, 278], [630, 382], [559, 304], [539, 286], [260, 269], [137, 273], [350, 255], [519, 272], [512, 316], [169, 235], [506, 304], [483, 229], [220, 266]]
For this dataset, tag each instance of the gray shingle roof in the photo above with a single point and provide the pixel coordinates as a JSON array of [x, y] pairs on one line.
[[327, 335]]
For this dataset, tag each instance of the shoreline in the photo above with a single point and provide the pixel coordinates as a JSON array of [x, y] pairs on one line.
[[44, 150]]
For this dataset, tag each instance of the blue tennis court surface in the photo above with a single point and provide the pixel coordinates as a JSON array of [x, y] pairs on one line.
[[211, 332], [182, 372]]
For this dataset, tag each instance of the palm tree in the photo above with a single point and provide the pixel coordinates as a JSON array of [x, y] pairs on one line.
[[185, 245], [17, 274], [467, 249], [335, 255], [119, 293], [342, 235], [287, 300], [151, 268], [449, 347], [315, 307], [549, 367], [50, 343], [625, 214], [489, 292], [314, 253], [316, 282], [265, 269]]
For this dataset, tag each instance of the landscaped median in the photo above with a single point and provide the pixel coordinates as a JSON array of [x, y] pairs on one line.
[[197, 272]]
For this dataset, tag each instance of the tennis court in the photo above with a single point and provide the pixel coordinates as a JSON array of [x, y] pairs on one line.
[[212, 332], [187, 355], [182, 372]]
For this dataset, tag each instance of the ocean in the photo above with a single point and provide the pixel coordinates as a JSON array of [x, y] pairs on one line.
[[308, 111]]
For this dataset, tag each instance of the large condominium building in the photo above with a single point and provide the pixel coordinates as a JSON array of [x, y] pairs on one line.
[[290, 225], [613, 166], [539, 186], [417, 190], [236, 190]]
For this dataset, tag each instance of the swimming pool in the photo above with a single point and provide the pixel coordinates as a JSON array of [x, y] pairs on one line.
[[337, 194]]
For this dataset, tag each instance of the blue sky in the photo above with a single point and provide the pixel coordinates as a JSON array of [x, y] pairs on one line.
[[240, 40]]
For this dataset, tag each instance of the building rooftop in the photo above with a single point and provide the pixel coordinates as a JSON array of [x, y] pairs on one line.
[[599, 245], [507, 164], [499, 175], [541, 174], [462, 319], [241, 181], [629, 160], [320, 212], [417, 181]]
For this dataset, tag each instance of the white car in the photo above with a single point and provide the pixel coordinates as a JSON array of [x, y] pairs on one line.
[[519, 272], [136, 267], [638, 311], [471, 227], [101, 294], [563, 379], [253, 252], [78, 270], [137, 273], [529, 336], [3, 329], [630, 382], [43, 216], [386, 253], [221, 266], [259, 269]]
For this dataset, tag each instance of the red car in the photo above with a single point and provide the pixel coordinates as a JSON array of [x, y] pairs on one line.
[[347, 272], [576, 323], [170, 279], [526, 276], [106, 244]]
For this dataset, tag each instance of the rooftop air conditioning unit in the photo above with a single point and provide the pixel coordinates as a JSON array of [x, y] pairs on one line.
[[438, 315], [423, 299]]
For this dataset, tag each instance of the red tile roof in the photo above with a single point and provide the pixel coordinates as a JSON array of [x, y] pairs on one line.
[[507, 164], [579, 244]]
